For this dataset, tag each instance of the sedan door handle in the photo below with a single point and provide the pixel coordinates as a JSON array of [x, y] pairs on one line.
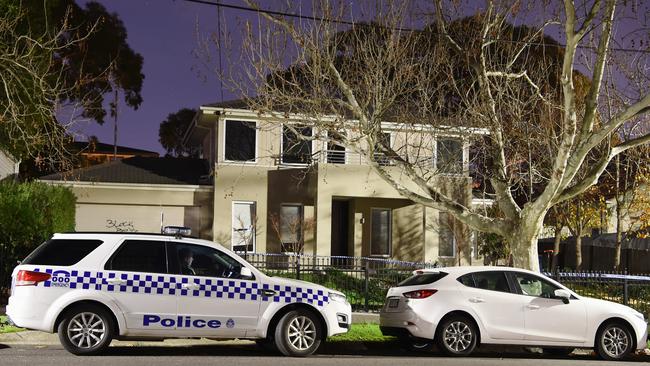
[[533, 307], [476, 300], [190, 286]]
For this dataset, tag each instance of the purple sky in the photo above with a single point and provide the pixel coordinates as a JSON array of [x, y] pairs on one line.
[[164, 33]]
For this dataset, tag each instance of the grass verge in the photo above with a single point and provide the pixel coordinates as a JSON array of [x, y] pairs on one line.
[[5, 327], [362, 333]]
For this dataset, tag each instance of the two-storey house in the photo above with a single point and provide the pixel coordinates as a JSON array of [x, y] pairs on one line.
[[275, 193]]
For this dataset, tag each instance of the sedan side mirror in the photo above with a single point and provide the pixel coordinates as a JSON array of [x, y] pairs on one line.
[[562, 294], [245, 273]]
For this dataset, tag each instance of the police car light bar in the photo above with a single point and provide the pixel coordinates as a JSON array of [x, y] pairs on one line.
[[177, 230]]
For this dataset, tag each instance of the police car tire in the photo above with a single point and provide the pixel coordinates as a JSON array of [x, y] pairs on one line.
[[71, 314], [282, 341]]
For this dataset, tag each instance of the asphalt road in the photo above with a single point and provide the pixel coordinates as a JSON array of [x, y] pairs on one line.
[[244, 355]]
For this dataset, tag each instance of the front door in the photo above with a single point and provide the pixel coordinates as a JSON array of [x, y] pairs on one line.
[[213, 299], [137, 279], [243, 226], [569, 320], [340, 218]]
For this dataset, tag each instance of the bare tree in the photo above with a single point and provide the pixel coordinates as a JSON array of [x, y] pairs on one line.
[[32, 87], [430, 71]]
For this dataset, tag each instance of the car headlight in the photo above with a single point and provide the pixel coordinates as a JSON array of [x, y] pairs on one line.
[[334, 296]]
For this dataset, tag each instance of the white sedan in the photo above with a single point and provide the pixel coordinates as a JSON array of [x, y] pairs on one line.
[[459, 308]]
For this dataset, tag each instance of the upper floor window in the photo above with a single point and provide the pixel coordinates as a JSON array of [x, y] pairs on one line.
[[296, 150], [446, 238], [449, 156], [241, 140], [384, 139]]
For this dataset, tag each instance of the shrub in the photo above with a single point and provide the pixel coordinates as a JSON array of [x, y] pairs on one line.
[[29, 214]]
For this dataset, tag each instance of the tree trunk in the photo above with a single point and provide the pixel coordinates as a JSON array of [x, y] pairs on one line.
[[578, 252], [523, 241], [619, 236], [556, 247]]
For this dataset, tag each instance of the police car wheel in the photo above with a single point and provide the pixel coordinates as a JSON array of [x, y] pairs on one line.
[[298, 333], [86, 330]]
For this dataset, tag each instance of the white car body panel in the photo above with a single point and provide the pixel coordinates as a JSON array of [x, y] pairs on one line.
[[507, 318], [234, 305]]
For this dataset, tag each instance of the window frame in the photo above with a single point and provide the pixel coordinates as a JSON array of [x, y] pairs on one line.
[[379, 157], [121, 244], [312, 143], [513, 275], [301, 215], [453, 238], [511, 286], [232, 224], [257, 140], [464, 155], [390, 231], [176, 271]]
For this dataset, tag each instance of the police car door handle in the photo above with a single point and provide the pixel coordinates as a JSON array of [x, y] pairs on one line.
[[476, 300], [267, 293], [115, 281], [190, 286]]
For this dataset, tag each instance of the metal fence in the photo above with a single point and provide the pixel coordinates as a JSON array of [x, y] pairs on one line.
[[620, 287], [365, 281]]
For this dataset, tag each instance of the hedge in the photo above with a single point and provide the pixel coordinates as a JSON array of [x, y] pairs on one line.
[[29, 214]]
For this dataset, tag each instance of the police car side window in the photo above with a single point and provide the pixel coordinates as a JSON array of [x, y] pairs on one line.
[[139, 256], [199, 260]]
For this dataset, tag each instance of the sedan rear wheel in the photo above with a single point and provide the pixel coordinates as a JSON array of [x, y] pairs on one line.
[[614, 341], [457, 336]]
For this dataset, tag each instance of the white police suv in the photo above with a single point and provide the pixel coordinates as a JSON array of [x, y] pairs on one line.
[[462, 307], [93, 287]]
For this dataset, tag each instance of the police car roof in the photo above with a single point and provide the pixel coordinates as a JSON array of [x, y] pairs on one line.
[[125, 233]]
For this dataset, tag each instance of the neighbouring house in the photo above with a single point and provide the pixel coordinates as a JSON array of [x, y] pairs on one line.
[[8, 165], [275, 193], [142, 194], [94, 152]]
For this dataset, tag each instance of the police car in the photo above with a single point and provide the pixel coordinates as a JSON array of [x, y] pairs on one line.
[[95, 287]]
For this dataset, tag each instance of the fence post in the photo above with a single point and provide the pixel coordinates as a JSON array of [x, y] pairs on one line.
[[366, 295], [625, 288], [297, 267]]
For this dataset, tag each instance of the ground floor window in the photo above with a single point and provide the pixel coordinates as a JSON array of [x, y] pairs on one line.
[[380, 236], [291, 227], [243, 226]]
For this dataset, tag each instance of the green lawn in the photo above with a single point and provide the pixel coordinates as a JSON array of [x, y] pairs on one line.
[[361, 333], [5, 327]]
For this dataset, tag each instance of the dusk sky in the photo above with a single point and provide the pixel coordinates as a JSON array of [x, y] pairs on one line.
[[164, 33]]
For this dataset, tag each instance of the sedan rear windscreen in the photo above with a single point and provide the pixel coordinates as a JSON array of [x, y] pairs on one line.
[[422, 279]]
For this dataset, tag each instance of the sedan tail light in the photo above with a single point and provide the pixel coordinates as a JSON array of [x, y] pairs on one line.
[[419, 294], [31, 278]]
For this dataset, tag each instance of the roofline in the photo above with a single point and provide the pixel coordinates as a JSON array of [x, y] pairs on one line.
[[138, 186], [298, 117]]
